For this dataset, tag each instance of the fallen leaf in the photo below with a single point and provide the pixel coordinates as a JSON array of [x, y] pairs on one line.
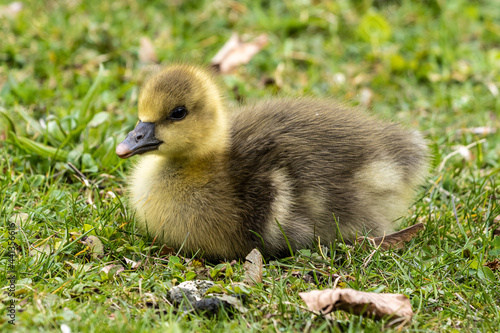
[[147, 53], [395, 240], [165, 250], [113, 269], [378, 306], [80, 267], [133, 264], [253, 268], [19, 219], [493, 265], [236, 52], [40, 252], [95, 245], [11, 10], [482, 130]]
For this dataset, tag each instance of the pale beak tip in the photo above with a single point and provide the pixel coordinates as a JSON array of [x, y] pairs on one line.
[[123, 150]]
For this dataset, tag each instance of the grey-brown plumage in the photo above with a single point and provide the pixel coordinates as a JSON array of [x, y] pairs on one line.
[[219, 180]]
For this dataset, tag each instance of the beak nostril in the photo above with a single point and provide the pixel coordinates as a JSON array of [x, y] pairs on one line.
[[139, 137]]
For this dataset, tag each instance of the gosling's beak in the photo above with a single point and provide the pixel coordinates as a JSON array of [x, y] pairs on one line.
[[140, 140]]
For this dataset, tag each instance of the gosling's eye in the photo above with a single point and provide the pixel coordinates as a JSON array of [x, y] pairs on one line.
[[178, 113]]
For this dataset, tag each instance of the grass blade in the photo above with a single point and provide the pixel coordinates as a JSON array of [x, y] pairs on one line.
[[83, 117], [40, 148]]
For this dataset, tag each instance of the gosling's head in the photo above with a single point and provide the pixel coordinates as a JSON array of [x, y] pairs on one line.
[[181, 115]]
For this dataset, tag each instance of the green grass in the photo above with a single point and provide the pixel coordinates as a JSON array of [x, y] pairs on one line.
[[433, 65]]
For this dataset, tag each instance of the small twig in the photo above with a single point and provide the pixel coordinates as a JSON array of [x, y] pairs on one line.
[[117, 306], [166, 301], [81, 176], [336, 281], [367, 261], [463, 301], [447, 157], [62, 286], [275, 326]]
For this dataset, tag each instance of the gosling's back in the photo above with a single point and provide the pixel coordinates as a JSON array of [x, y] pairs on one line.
[[318, 167]]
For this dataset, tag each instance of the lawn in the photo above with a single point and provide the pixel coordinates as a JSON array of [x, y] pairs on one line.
[[70, 72]]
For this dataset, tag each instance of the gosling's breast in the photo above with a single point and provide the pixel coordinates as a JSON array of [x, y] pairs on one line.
[[156, 201], [179, 209]]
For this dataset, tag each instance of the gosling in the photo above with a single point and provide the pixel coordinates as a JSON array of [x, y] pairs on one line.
[[220, 181]]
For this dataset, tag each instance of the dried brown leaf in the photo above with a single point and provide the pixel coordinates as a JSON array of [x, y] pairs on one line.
[[395, 240], [253, 268], [236, 52], [378, 306], [493, 265], [147, 53], [165, 250]]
